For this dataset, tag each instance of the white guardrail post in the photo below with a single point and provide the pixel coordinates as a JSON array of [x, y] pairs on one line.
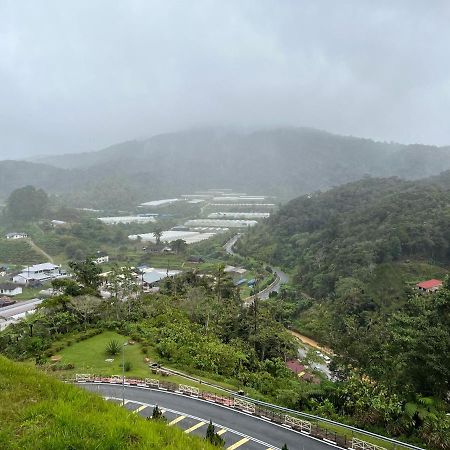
[[244, 405], [190, 390], [152, 382], [293, 422], [82, 377], [358, 444]]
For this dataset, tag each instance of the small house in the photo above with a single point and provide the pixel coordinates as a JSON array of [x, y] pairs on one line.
[[237, 273], [294, 366], [16, 235], [101, 258], [429, 286], [195, 259], [39, 273], [58, 223], [10, 289]]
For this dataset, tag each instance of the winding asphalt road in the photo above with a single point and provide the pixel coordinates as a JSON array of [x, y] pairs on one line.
[[267, 433], [282, 278]]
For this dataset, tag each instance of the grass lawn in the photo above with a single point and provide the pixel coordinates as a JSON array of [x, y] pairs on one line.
[[29, 293], [89, 356]]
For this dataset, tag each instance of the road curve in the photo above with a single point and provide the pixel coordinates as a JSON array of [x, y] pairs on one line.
[[228, 247], [264, 430]]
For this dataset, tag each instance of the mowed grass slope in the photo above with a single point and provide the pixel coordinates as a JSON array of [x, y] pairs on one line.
[[39, 412], [90, 356]]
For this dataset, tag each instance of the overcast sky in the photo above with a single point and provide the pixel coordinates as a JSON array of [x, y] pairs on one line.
[[80, 75]]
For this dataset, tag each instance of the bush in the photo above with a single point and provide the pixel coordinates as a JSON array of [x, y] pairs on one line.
[[113, 347], [127, 366]]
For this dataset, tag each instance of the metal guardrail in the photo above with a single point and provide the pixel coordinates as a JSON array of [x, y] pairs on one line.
[[277, 414]]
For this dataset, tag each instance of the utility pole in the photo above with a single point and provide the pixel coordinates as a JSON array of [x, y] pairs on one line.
[[123, 373]]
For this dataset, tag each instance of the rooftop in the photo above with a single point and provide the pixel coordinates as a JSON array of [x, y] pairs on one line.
[[8, 286], [39, 267], [429, 284], [295, 366]]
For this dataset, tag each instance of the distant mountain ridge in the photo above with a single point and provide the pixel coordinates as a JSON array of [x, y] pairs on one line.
[[285, 162]]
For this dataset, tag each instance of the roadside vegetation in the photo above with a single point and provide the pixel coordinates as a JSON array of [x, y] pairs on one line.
[[198, 324]]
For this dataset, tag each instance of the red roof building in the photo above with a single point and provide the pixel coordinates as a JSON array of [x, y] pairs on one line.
[[429, 285], [295, 366]]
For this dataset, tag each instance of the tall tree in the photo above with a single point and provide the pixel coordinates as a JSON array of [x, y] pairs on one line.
[[87, 273], [27, 203]]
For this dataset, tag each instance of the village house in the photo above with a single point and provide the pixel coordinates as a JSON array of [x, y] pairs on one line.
[[39, 273], [195, 259], [16, 235], [237, 273], [10, 289], [300, 370], [101, 258], [429, 286]]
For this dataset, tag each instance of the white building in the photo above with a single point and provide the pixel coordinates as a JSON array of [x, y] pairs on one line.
[[39, 273], [101, 258], [16, 235], [10, 289]]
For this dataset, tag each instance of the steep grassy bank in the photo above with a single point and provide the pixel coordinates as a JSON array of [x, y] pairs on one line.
[[38, 412]]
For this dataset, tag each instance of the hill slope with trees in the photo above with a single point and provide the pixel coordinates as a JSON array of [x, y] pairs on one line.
[[348, 234], [285, 162]]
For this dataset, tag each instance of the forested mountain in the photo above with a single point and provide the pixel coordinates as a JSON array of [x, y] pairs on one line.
[[285, 162], [349, 234]]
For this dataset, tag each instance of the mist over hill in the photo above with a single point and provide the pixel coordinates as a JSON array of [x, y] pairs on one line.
[[285, 162]]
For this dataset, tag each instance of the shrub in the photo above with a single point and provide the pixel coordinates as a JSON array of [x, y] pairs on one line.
[[127, 366], [113, 347]]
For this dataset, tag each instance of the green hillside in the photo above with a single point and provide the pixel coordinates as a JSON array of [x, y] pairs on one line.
[[39, 412], [376, 235], [285, 162], [18, 252]]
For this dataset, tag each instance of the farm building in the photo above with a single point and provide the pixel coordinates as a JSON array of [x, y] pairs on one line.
[[10, 289], [429, 285]]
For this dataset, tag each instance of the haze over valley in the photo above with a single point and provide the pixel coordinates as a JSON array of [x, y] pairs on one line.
[[225, 225]]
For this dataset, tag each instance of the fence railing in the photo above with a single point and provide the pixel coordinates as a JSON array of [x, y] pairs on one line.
[[358, 444], [347, 437]]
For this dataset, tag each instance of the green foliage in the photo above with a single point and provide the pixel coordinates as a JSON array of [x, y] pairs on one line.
[[212, 437], [118, 177], [113, 347], [27, 203], [127, 366], [348, 231], [87, 273], [157, 413], [18, 252]]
